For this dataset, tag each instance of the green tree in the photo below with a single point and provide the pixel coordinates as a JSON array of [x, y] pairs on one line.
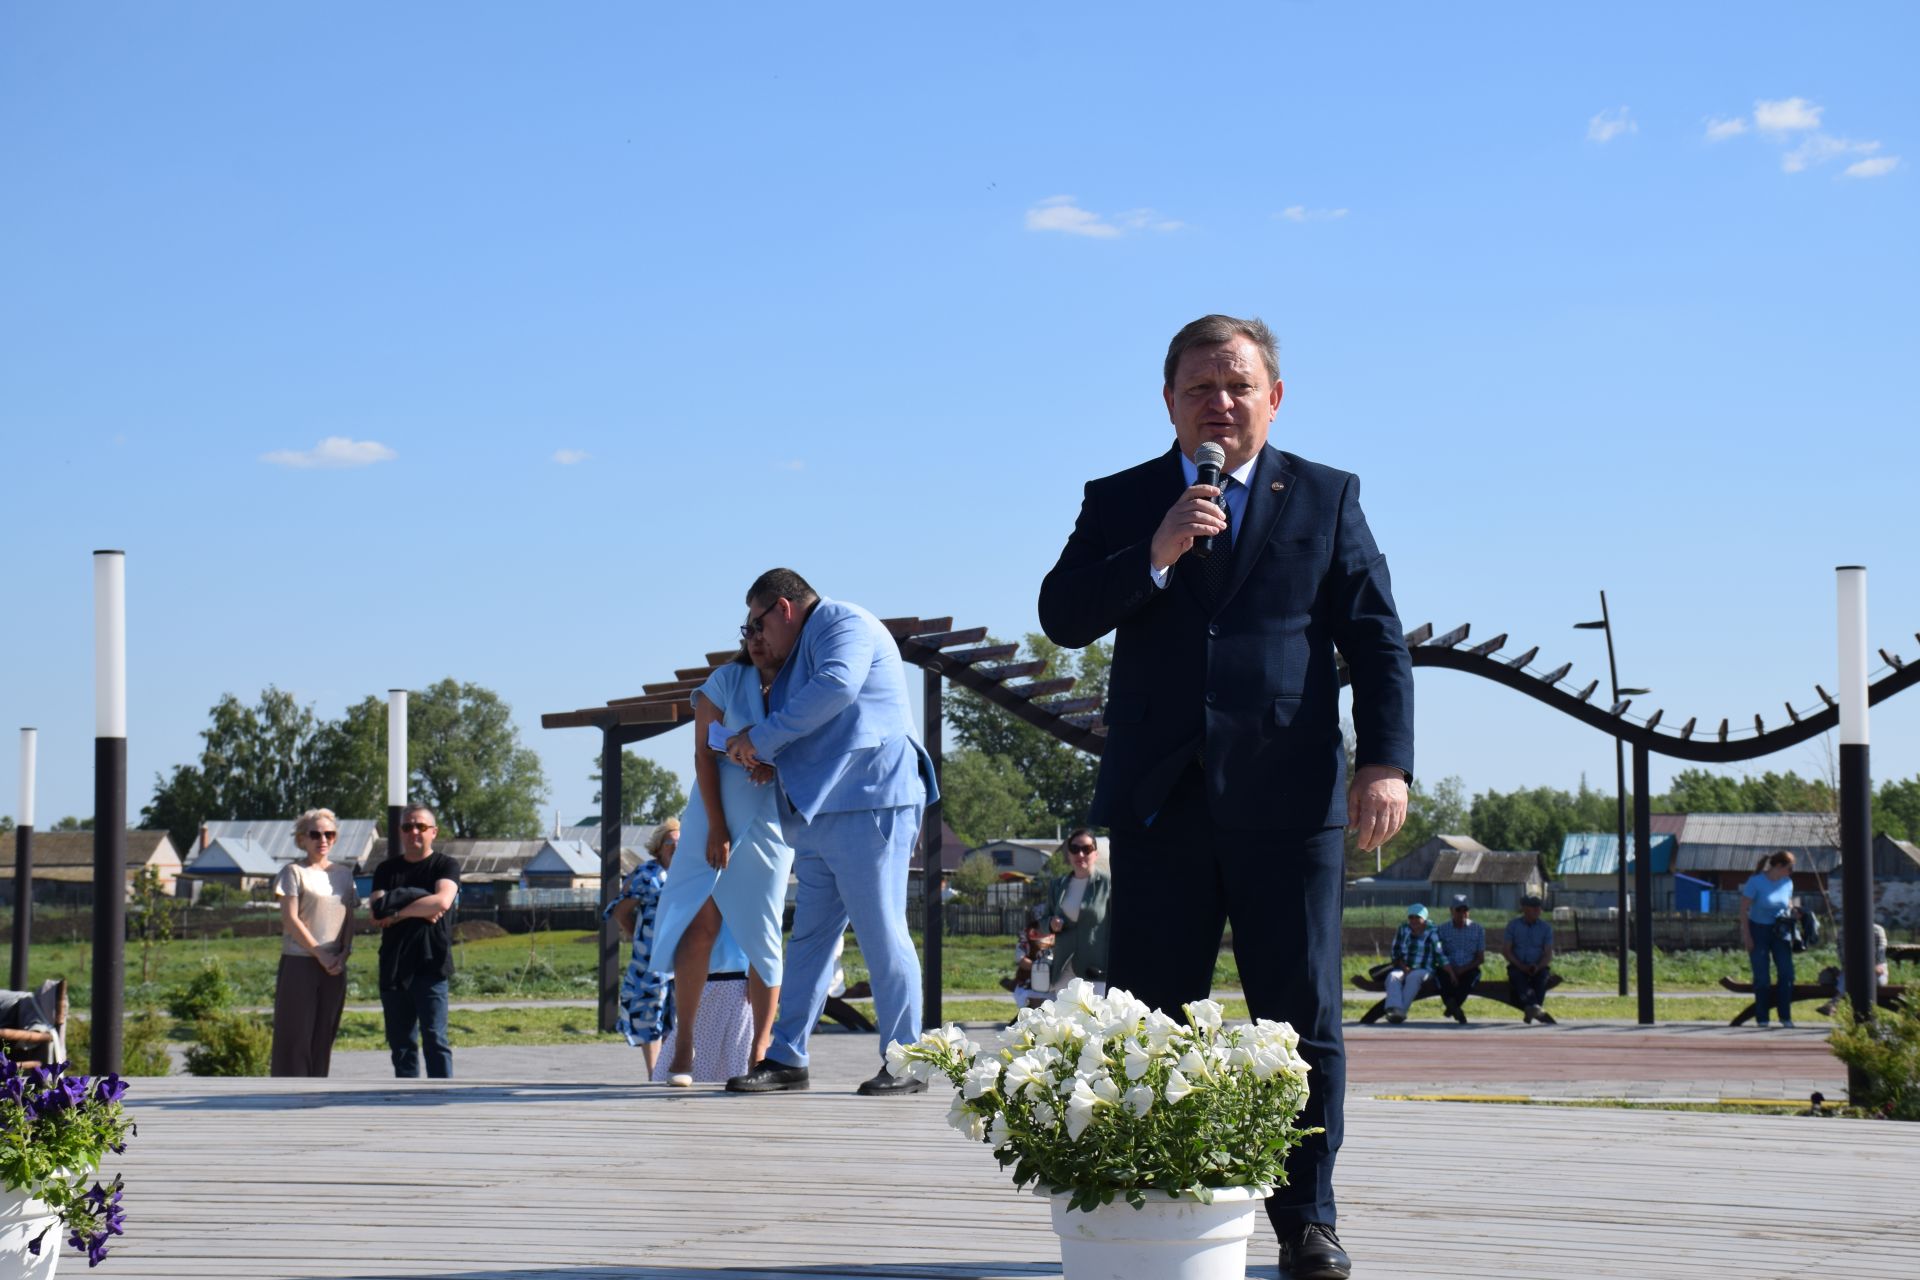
[[1539, 819], [6, 823], [1896, 808], [255, 762], [974, 875], [469, 766], [649, 791], [149, 917], [350, 760], [71, 823], [1061, 777], [985, 797]]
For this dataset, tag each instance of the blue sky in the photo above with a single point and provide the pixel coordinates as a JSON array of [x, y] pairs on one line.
[[614, 307]]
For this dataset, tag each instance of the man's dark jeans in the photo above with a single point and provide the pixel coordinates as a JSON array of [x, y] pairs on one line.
[[1454, 991], [1528, 989], [414, 1012]]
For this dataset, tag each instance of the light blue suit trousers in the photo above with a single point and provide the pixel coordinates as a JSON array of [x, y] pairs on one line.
[[852, 868]]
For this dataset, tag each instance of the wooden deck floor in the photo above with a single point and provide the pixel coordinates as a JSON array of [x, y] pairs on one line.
[[469, 1181]]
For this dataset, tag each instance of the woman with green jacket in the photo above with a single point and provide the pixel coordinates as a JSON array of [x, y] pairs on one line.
[[1077, 903]]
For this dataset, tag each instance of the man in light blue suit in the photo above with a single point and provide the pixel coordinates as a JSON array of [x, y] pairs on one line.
[[854, 782]]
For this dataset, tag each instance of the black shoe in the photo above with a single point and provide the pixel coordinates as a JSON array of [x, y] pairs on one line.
[[768, 1076], [1314, 1253], [887, 1084], [1460, 1016]]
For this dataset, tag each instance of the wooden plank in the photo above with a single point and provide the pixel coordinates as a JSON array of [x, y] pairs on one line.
[[946, 639], [984, 653], [671, 686], [1013, 670], [1041, 688], [696, 673]]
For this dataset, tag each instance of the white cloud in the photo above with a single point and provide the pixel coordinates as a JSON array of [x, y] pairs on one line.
[[1877, 167], [1061, 213], [1788, 115], [568, 457], [1820, 148], [1720, 130], [791, 464], [1300, 213], [1608, 125], [334, 451]]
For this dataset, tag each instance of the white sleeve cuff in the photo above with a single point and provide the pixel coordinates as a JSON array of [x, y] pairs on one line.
[[1160, 576]]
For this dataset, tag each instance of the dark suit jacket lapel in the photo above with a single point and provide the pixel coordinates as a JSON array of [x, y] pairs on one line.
[[1264, 505]]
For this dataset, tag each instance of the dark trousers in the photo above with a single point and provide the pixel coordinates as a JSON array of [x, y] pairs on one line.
[[1527, 989], [1176, 882], [1778, 994], [1454, 991], [416, 1011], [307, 1001]]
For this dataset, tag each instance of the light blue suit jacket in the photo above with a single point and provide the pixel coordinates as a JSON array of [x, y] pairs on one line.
[[839, 730]]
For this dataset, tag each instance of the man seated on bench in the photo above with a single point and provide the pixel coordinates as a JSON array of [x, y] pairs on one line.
[[1463, 943], [1529, 952], [1416, 954]]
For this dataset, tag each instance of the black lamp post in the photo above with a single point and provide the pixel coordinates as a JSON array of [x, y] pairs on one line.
[[1605, 624]]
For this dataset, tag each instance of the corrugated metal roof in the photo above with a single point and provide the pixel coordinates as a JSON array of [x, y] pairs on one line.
[[1418, 862], [231, 856], [1486, 866], [564, 857], [632, 835], [1597, 853], [1736, 841], [275, 835]]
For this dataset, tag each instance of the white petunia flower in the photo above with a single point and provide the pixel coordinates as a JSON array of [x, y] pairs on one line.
[[1105, 1088], [897, 1058], [1093, 1056], [1137, 1061], [1194, 1063], [1160, 1031], [1043, 1112], [981, 1078], [1206, 1014], [1177, 1086], [1139, 1100], [1080, 1108]]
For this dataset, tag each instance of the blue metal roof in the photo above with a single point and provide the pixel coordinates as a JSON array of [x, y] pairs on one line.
[[1593, 853]]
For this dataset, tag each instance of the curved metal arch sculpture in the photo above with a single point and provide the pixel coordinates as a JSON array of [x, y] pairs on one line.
[[945, 654], [1725, 745]]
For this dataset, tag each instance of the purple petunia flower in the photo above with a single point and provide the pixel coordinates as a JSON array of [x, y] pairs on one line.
[[110, 1088]]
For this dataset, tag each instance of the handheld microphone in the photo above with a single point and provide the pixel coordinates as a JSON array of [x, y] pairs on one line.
[[1208, 459]]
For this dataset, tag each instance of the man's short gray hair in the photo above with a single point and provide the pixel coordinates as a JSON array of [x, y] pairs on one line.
[[1216, 330]]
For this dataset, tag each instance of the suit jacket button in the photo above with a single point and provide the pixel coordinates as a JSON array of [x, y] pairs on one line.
[[1214, 630], [1212, 697]]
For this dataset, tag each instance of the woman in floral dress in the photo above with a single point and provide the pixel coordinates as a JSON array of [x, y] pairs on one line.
[[646, 995]]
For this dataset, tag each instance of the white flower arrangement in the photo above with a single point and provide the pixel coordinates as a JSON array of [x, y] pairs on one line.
[[1096, 1096]]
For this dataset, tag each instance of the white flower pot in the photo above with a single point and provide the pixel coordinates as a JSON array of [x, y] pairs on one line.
[[21, 1219], [1169, 1238]]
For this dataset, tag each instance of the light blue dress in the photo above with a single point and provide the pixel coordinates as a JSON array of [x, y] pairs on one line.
[[752, 892]]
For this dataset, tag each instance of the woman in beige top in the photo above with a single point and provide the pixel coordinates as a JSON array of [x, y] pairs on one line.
[[317, 899]]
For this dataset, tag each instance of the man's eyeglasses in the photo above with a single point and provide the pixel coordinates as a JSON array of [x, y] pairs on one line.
[[756, 624], [323, 835], [418, 826]]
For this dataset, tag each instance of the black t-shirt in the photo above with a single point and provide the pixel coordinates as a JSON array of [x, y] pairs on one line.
[[415, 947]]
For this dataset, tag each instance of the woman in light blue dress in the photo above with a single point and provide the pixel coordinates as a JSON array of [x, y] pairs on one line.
[[722, 909]]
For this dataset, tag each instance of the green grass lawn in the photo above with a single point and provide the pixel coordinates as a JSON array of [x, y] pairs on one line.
[[550, 965]]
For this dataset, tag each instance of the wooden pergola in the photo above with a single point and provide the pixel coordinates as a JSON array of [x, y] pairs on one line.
[[932, 644]]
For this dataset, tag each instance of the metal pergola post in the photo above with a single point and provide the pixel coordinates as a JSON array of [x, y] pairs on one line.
[[1642, 882], [1856, 812], [611, 743]]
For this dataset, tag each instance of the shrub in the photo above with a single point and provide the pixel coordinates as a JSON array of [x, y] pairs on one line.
[[975, 874], [143, 1047], [207, 992], [230, 1044], [1887, 1049]]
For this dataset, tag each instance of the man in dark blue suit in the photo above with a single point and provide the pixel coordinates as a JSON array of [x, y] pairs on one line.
[[1223, 779]]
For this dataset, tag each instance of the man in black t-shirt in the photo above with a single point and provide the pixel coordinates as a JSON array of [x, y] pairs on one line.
[[412, 902]]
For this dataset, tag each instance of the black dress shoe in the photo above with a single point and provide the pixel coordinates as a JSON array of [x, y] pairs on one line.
[[1314, 1253], [886, 1084], [768, 1076]]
